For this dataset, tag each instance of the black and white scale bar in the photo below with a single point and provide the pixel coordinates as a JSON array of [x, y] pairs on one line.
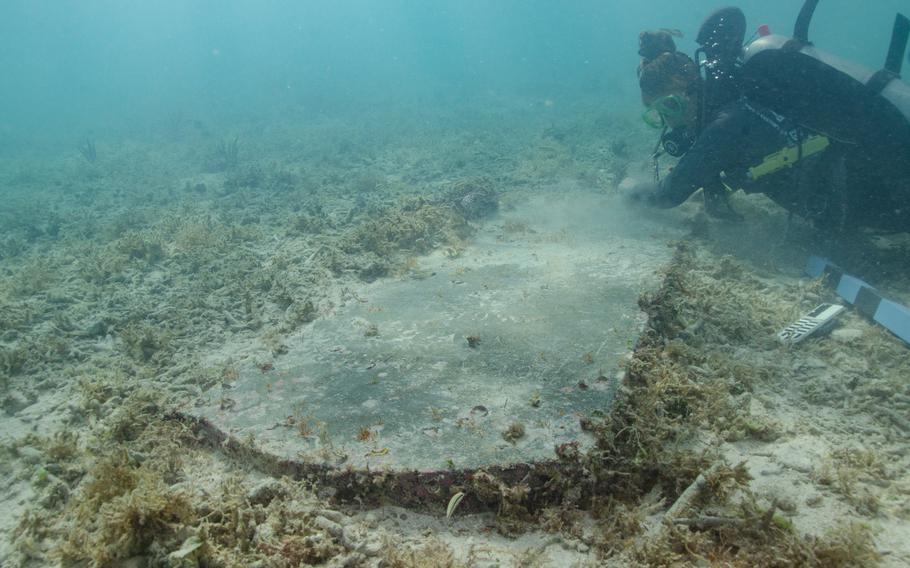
[[865, 298]]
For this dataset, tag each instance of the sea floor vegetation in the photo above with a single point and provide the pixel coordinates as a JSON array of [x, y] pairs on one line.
[[119, 276]]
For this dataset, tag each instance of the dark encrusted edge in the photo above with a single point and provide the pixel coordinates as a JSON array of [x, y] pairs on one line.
[[546, 481]]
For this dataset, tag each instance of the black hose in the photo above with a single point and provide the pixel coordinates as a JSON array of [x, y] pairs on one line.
[[801, 29]]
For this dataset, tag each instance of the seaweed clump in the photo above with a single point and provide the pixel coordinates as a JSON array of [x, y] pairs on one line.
[[750, 542], [145, 342], [131, 504], [141, 246], [681, 383], [434, 553], [473, 198], [373, 248], [417, 226], [225, 155], [129, 510], [121, 512]]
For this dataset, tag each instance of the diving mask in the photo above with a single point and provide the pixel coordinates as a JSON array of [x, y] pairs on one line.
[[666, 110]]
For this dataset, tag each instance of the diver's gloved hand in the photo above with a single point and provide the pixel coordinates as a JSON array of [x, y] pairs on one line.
[[717, 205], [639, 191]]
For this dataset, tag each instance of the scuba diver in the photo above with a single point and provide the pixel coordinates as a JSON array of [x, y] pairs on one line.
[[824, 138]]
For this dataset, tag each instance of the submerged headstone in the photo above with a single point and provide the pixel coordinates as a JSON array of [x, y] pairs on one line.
[[488, 355]]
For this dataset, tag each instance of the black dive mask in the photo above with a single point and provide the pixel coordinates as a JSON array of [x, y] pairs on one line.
[[677, 142]]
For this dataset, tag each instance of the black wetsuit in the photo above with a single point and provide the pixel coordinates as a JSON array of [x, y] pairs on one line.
[[861, 179], [835, 188]]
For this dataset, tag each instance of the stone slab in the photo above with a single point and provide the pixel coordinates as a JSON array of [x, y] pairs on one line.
[[391, 380]]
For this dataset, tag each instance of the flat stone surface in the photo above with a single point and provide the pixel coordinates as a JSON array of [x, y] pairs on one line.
[[550, 290]]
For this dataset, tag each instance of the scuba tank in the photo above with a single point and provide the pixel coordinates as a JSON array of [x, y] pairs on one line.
[[834, 97]]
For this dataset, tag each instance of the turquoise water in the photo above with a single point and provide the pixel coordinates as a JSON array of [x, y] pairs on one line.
[[397, 219], [107, 66]]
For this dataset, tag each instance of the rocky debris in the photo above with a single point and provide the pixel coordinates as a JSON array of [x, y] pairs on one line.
[[846, 334], [264, 492], [473, 199], [15, 401], [30, 454]]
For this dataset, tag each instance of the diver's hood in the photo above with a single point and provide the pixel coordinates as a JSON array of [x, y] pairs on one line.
[[721, 34], [720, 40]]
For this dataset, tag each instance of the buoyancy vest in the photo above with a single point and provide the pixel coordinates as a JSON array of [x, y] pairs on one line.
[[831, 96]]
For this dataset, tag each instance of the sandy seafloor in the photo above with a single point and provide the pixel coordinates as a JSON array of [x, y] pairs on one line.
[[120, 278]]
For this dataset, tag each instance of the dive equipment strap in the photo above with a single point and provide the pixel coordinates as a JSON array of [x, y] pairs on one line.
[[899, 36], [895, 58], [793, 45], [865, 298], [801, 28], [800, 37], [880, 79], [788, 156], [655, 155]]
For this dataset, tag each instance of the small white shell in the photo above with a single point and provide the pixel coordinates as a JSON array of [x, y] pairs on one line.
[[453, 504]]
